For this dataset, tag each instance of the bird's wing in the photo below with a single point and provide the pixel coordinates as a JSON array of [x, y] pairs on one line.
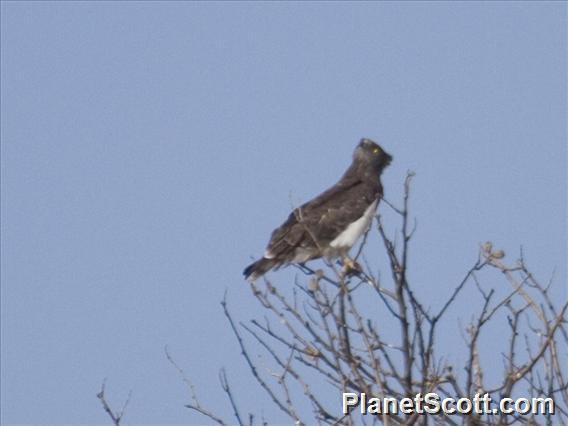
[[336, 215], [322, 218]]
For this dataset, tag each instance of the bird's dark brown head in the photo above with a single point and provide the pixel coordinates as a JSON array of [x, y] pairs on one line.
[[370, 157]]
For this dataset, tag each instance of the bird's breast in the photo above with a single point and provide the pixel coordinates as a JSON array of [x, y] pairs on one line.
[[354, 230]]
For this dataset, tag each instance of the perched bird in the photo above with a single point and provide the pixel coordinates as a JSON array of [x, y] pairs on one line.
[[330, 224]]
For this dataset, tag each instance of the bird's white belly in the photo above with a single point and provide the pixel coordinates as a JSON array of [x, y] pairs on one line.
[[354, 231]]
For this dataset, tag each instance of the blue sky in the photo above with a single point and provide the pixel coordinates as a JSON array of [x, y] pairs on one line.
[[148, 149]]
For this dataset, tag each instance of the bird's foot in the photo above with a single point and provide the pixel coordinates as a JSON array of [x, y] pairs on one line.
[[351, 267]]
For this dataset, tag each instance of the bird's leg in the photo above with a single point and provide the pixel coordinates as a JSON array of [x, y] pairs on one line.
[[350, 266]]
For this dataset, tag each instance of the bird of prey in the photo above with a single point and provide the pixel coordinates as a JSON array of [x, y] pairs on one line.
[[330, 224]]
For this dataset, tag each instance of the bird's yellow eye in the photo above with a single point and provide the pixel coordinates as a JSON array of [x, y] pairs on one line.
[[375, 150]]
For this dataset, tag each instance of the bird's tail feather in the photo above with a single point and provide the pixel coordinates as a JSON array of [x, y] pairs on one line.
[[257, 269]]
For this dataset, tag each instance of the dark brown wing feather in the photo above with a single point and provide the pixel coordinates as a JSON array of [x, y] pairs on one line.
[[322, 218]]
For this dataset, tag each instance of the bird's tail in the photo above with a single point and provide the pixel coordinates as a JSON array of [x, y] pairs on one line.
[[257, 269]]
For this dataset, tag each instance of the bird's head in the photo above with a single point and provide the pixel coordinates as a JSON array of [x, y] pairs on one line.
[[370, 157]]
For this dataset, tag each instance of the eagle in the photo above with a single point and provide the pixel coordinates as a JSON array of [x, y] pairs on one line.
[[331, 223]]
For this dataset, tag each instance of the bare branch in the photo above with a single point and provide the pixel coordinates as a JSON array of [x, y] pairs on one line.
[[332, 332], [116, 416]]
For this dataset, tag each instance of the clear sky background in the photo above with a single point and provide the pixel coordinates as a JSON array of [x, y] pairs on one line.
[[148, 150]]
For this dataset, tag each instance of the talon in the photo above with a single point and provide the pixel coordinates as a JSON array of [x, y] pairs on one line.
[[351, 267]]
